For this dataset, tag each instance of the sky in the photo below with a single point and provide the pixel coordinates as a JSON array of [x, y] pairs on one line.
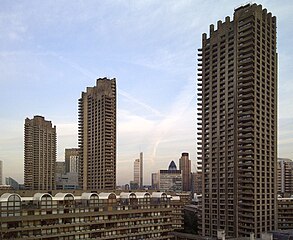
[[50, 51]]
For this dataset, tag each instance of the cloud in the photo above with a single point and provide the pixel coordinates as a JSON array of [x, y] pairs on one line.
[[138, 102], [130, 123]]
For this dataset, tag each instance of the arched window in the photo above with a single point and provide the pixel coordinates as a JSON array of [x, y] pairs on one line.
[[46, 201], [112, 198], [94, 200], [10, 205], [68, 200]]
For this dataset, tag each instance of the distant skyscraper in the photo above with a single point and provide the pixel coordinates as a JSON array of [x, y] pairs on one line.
[[97, 136], [155, 181], [172, 166], [72, 160], [12, 182], [39, 154], [171, 179], [138, 171], [238, 124], [185, 167], [141, 170], [1, 172]]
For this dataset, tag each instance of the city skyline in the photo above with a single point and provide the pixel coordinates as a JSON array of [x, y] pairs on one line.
[[51, 51]]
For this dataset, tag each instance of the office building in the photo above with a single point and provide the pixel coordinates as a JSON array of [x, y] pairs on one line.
[[87, 215], [60, 168], [67, 181], [285, 176], [9, 181], [171, 179], [138, 171], [237, 115], [1, 172], [155, 181], [172, 166], [97, 136], [133, 185], [141, 170], [185, 167], [72, 160], [39, 154]]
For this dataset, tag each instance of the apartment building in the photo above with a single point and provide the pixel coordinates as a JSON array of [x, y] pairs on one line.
[[39, 154], [88, 215], [97, 136], [237, 115]]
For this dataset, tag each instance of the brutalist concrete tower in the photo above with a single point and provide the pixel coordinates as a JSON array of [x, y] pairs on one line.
[[238, 124], [39, 154], [97, 136]]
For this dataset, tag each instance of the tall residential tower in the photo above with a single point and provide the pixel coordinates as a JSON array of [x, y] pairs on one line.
[[238, 124], [97, 136], [39, 154]]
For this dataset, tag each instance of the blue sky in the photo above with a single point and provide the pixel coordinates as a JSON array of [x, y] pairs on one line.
[[50, 51]]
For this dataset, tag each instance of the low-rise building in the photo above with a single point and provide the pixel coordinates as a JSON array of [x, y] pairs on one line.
[[86, 215], [67, 181]]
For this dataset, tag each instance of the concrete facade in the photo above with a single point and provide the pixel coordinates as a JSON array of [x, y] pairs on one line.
[[60, 168], [97, 136], [86, 215], [285, 213], [237, 105], [285, 176], [39, 154]]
